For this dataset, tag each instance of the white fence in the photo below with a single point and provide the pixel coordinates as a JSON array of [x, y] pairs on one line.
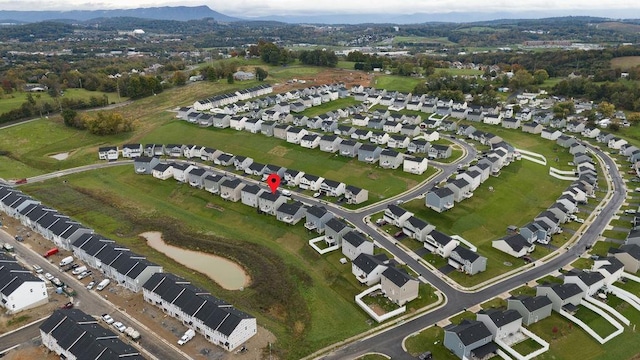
[[313, 242], [368, 310], [531, 156]]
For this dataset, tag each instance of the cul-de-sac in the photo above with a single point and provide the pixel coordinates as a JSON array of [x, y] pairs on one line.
[[296, 181]]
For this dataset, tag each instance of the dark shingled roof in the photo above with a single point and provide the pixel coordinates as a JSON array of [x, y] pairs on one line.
[[397, 276], [502, 317], [589, 278], [469, 331], [533, 303], [354, 238], [367, 263], [565, 291]]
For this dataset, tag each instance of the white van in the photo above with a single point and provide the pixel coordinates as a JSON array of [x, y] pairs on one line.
[[79, 270], [103, 284], [66, 261]]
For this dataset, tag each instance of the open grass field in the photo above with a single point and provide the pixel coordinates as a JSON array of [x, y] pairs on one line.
[[12, 101], [625, 62], [120, 205], [328, 106], [486, 216], [398, 83], [430, 339], [452, 71]]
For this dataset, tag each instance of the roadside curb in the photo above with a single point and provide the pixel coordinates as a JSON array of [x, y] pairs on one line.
[[23, 326]]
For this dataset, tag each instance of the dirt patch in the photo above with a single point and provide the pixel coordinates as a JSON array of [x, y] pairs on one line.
[[377, 309], [29, 351], [278, 151], [60, 156], [350, 78]]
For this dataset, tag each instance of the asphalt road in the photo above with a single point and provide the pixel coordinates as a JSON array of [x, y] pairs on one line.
[[87, 301], [389, 341]]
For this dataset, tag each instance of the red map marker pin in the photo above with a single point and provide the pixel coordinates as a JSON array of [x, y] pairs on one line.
[[273, 181]]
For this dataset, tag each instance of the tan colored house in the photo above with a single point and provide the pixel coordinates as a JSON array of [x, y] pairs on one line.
[[398, 286]]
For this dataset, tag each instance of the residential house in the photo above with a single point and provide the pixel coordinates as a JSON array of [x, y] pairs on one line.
[[292, 177], [467, 261], [415, 164], [162, 171], [396, 215], [225, 160], [295, 135], [440, 244], [368, 268], [110, 153], [439, 199], [355, 195], [550, 134], [501, 323], [349, 148], [230, 189], [398, 285], [515, 245], [369, 153], [249, 195], [131, 150], [334, 231], [195, 177], [332, 188], [242, 163], [390, 159], [437, 151], [531, 308], [563, 296], [418, 146], [398, 141], [269, 202], [280, 131], [511, 123], [629, 255], [255, 169], [589, 282], [354, 243], [19, 288], [316, 218], [590, 132], [208, 154], [290, 213], [575, 126], [461, 189], [73, 334], [610, 267], [222, 121], [272, 169], [330, 143], [360, 120], [212, 183], [470, 339], [532, 128], [310, 182], [180, 171]]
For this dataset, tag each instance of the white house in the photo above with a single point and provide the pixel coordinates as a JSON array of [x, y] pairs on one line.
[[19, 288]]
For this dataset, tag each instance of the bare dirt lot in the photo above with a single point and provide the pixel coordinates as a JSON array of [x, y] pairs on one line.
[[350, 78]]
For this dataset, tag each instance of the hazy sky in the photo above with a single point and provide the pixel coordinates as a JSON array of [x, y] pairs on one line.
[[284, 7]]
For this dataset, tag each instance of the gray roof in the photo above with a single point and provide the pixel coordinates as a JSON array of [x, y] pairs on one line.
[[469, 331], [533, 303], [367, 263], [397, 276], [354, 238], [589, 278], [502, 317]]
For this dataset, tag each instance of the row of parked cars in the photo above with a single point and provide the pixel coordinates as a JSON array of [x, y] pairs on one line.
[[129, 331]]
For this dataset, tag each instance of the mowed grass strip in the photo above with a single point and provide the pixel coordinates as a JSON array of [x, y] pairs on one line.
[[120, 204]]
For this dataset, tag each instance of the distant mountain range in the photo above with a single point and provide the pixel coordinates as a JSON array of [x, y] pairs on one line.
[[185, 13], [180, 13]]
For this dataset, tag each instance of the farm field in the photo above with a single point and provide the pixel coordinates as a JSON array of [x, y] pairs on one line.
[[396, 83], [625, 62]]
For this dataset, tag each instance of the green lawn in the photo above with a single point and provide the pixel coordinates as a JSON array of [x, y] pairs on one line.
[[372, 357], [596, 322], [430, 339], [398, 83], [530, 142], [379, 182], [495, 303], [31, 144], [14, 100], [486, 216], [582, 263], [526, 347], [602, 248], [120, 205], [453, 71]]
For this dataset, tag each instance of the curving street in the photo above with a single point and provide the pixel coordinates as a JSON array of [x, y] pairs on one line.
[[389, 341]]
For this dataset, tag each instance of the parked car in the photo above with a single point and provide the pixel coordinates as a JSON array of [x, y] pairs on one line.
[[84, 274], [57, 282], [37, 269], [315, 195], [630, 211], [90, 285], [68, 305], [120, 326], [48, 276], [579, 220], [286, 192], [107, 318]]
